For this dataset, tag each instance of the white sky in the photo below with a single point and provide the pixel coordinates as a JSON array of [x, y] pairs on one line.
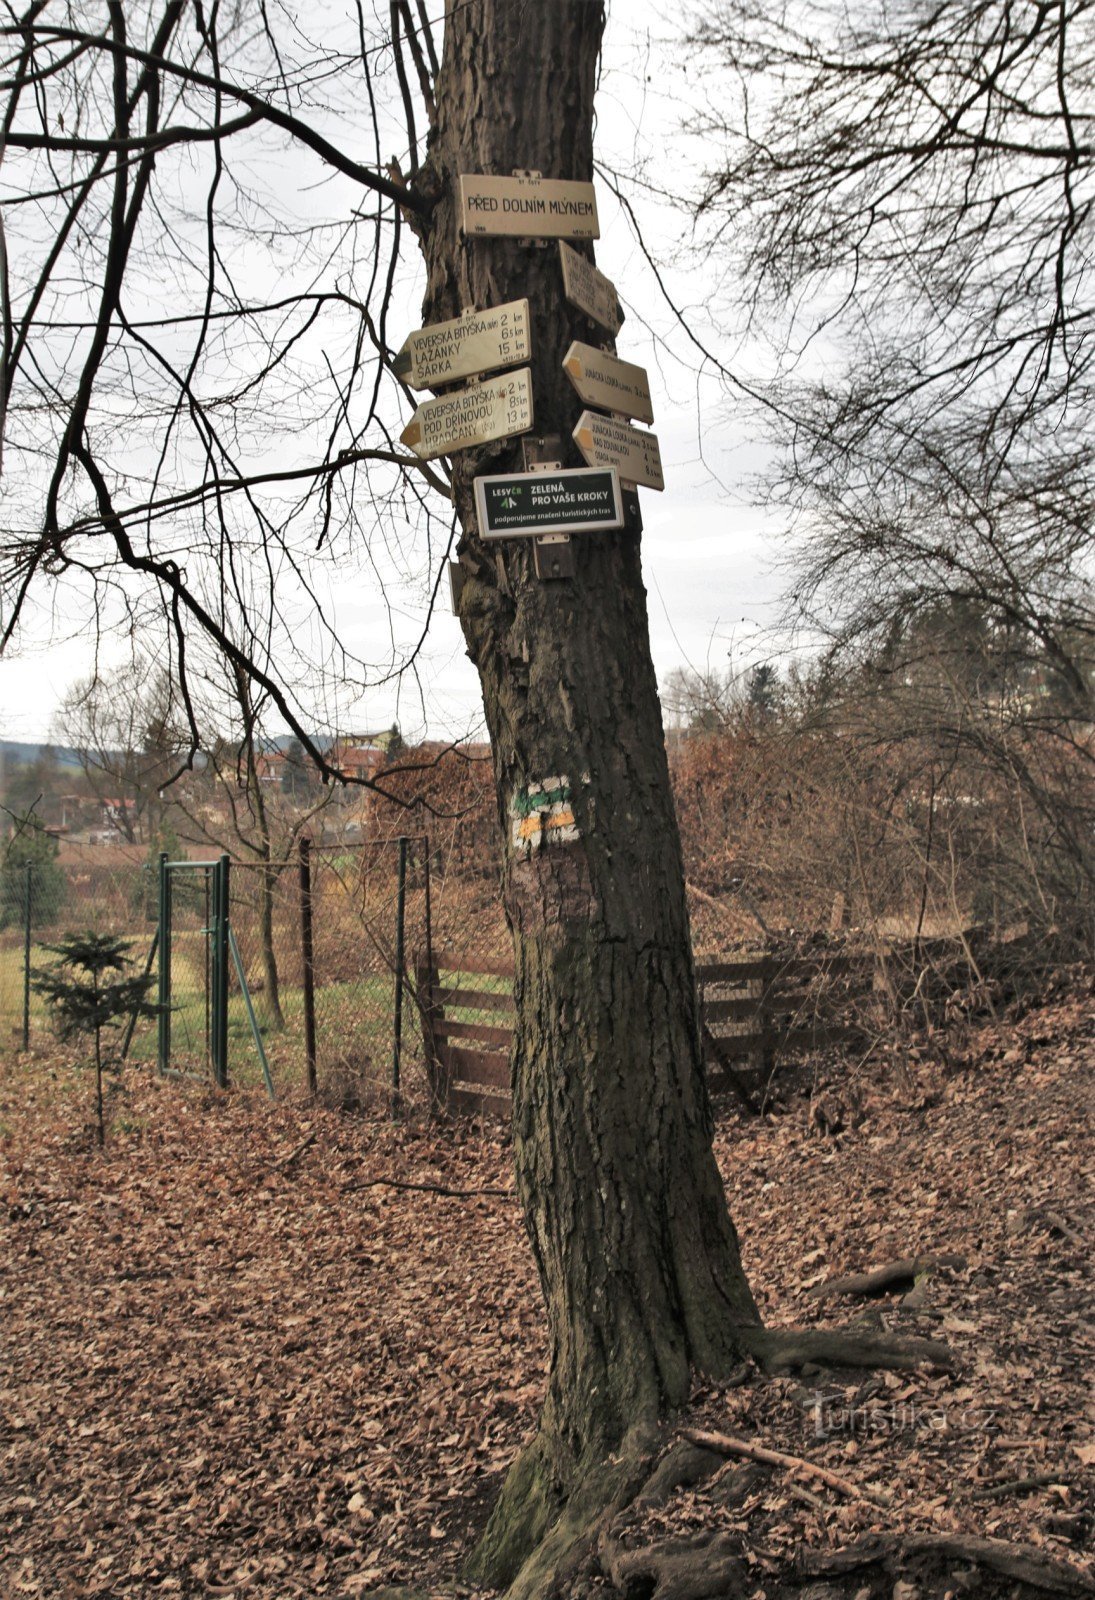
[[708, 553]]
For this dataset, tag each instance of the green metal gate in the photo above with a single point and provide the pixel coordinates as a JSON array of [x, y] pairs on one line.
[[207, 886]]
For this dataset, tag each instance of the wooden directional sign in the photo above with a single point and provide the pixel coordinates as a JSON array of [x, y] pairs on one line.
[[604, 442], [472, 416], [479, 341], [590, 290], [602, 380], [529, 207], [521, 504]]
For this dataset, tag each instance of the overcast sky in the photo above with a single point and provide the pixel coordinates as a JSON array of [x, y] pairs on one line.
[[708, 551]]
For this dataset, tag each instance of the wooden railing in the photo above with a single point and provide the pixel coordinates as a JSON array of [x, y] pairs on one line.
[[754, 1009]]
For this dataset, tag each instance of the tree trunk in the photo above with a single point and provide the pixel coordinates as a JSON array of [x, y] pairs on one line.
[[624, 1205]]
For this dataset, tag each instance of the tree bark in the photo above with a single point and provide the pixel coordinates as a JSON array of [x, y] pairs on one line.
[[625, 1209]]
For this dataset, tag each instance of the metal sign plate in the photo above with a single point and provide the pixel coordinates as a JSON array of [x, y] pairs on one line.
[[590, 290], [528, 207], [605, 381], [605, 442], [519, 505], [473, 416], [479, 341]]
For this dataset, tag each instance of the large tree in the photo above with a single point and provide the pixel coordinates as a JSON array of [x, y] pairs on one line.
[[624, 1205]]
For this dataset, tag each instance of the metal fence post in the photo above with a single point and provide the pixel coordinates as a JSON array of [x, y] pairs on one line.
[[163, 936], [400, 930], [308, 960], [221, 893], [28, 920]]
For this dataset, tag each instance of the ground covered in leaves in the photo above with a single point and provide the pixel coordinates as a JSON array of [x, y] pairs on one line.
[[235, 1362]]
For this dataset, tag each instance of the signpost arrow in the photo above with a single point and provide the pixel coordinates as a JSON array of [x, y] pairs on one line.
[[496, 409], [603, 380], [604, 442], [479, 341], [528, 207], [523, 504], [590, 290]]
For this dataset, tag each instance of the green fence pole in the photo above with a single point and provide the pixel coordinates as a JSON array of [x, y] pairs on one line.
[[220, 968], [400, 926], [28, 920], [163, 936]]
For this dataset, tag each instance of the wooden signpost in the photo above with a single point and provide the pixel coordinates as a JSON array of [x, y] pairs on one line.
[[497, 409], [603, 380], [518, 505], [605, 442], [528, 207], [590, 290], [479, 341]]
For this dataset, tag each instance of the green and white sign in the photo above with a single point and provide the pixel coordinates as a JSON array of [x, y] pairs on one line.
[[523, 504]]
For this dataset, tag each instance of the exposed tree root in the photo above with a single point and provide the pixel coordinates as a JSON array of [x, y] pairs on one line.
[[780, 1350], [896, 1552], [683, 1569], [707, 1566], [891, 1275], [537, 1539], [547, 1524]]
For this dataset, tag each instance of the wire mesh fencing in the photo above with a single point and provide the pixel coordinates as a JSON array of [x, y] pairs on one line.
[[48, 891], [325, 943], [319, 950]]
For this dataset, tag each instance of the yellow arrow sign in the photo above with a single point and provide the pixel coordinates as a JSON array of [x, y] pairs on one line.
[[590, 290], [603, 380], [473, 416], [477, 342], [605, 442]]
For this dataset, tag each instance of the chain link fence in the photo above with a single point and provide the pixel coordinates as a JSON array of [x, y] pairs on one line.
[[335, 1020], [45, 894]]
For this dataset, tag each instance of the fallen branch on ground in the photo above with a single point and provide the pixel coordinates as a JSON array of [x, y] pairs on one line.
[[728, 1446]]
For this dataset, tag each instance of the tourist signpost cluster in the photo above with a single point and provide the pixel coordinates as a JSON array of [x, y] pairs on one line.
[[551, 501]]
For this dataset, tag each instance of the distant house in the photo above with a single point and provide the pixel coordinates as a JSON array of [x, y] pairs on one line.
[[270, 767], [359, 755]]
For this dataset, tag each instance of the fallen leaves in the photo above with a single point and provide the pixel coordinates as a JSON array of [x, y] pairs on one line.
[[236, 1363]]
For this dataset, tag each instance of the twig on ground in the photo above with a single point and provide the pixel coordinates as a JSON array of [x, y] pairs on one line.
[[282, 1166], [430, 1188], [1036, 1480]]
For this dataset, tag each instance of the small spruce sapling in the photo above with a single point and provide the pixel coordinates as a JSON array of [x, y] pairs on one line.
[[85, 999]]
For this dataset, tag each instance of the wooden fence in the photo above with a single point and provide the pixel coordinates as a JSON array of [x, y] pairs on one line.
[[754, 1009]]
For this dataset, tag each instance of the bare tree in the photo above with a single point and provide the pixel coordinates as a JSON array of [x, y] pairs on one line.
[[114, 721], [907, 193], [153, 428]]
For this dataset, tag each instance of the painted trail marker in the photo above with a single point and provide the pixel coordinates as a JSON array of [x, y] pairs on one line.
[[605, 381], [590, 290], [528, 207], [479, 341], [522, 504], [485, 411], [604, 442]]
